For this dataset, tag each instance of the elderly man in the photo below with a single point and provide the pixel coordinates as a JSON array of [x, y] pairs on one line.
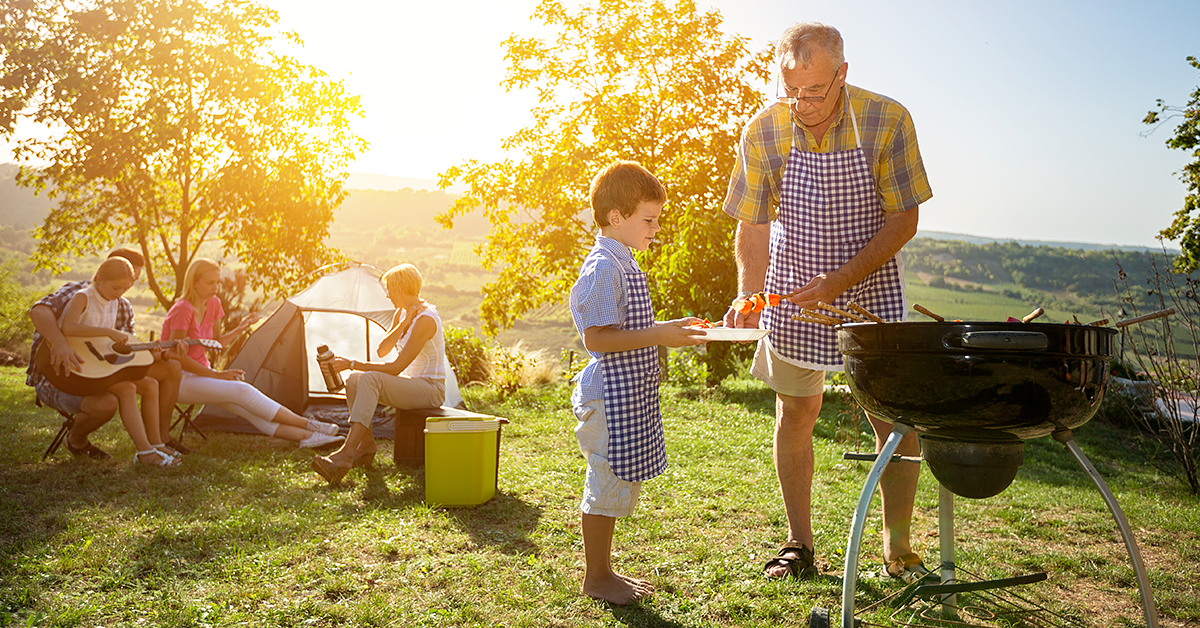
[[825, 191], [92, 411]]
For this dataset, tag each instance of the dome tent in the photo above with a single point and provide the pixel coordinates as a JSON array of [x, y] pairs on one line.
[[347, 310]]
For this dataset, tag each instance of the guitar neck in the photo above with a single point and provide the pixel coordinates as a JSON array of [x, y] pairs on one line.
[[163, 344]]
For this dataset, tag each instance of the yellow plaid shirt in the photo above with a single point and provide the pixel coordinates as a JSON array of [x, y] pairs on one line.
[[889, 141]]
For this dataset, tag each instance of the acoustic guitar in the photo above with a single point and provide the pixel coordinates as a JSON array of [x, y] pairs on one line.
[[105, 362]]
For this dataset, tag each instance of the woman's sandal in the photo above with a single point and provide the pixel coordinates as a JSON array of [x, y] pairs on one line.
[[907, 568], [798, 560], [170, 451], [164, 460], [330, 470], [364, 459]]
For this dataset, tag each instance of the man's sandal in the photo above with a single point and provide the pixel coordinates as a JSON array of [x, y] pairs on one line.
[[90, 450], [908, 568], [798, 560]]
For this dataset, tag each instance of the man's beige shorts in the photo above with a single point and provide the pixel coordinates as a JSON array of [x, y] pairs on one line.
[[784, 377]]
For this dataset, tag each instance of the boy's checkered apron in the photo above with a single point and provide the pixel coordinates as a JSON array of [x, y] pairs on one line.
[[828, 211], [636, 449]]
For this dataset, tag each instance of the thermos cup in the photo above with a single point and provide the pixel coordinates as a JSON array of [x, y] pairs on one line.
[[333, 379]]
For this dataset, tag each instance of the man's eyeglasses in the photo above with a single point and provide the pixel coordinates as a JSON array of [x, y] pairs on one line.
[[791, 94]]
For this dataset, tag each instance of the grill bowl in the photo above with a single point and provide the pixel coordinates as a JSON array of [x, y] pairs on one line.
[[984, 385]]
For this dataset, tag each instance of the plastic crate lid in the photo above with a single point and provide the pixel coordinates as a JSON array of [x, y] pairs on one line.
[[463, 426]]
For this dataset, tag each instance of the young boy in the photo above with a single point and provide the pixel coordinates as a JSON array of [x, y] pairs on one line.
[[620, 428]]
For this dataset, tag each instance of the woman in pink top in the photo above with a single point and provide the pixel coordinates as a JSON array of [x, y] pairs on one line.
[[196, 315]]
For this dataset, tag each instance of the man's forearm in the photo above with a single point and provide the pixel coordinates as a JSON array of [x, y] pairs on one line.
[[46, 324], [751, 245], [899, 228]]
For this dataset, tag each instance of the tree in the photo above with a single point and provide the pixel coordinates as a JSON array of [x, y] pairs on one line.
[[176, 125], [1186, 226], [625, 79]]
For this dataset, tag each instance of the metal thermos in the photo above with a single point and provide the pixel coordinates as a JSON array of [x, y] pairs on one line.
[[333, 379]]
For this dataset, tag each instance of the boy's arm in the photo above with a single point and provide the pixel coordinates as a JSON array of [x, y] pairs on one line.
[[666, 333]]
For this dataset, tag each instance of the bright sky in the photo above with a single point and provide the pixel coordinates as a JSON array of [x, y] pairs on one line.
[[1028, 112]]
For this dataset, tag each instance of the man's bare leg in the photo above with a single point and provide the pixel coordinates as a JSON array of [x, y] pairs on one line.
[[795, 418], [898, 489], [95, 411]]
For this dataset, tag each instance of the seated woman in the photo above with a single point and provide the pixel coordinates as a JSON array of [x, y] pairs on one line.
[[196, 315], [93, 312], [415, 379]]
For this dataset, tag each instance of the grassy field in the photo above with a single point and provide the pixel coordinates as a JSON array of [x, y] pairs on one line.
[[243, 534]]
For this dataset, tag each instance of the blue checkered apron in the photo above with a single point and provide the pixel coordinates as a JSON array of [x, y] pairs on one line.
[[828, 211], [636, 448]]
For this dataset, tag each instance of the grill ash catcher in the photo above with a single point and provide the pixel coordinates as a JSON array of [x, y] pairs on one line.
[[974, 392]]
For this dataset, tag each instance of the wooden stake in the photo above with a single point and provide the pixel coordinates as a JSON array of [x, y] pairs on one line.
[[1151, 316], [1032, 315], [854, 317], [862, 310], [919, 308]]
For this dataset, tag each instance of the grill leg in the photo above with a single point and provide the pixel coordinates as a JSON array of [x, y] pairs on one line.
[[1135, 556], [946, 545], [850, 577]]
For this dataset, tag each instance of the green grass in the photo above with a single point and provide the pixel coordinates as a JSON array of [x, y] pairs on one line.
[[244, 534]]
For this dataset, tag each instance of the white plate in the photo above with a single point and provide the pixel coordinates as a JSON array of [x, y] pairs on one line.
[[730, 333]]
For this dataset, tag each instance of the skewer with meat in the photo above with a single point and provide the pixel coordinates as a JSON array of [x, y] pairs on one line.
[[756, 302]]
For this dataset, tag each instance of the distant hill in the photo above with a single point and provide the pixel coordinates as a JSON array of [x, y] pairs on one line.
[[19, 207], [387, 183], [1078, 246], [376, 200]]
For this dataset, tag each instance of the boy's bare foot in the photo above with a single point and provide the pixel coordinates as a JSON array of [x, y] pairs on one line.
[[617, 589], [642, 584]]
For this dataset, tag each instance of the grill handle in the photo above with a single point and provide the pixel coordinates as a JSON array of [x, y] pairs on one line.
[[1009, 340]]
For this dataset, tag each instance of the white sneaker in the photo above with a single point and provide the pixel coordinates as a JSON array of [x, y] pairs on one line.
[[317, 439], [322, 427]]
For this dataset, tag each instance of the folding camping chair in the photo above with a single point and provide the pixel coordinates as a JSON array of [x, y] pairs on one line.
[[184, 416], [68, 421]]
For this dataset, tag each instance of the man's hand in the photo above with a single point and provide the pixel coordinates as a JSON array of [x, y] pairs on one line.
[[820, 289], [736, 320], [63, 359]]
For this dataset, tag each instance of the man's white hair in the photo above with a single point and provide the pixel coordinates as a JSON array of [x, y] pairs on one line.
[[800, 41]]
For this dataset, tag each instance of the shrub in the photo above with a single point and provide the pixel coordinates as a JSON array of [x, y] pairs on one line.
[[514, 368], [685, 367], [16, 330], [468, 355]]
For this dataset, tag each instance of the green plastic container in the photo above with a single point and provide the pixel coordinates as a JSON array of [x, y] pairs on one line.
[[462, 458]]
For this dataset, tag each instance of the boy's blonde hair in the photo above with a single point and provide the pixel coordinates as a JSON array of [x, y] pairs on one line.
[[404, 279], [113, 269], [198, 267], [622, 186]]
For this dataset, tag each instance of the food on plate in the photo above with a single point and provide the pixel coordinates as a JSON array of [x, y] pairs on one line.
[[756, 302]]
